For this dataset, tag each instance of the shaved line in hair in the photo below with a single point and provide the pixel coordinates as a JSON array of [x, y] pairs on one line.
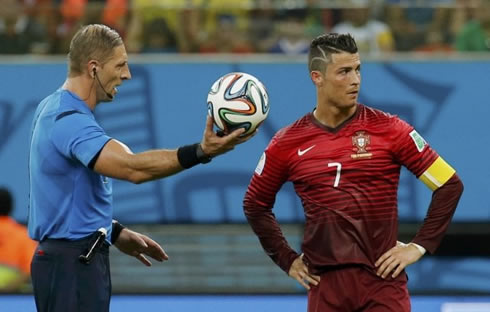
[[325, 58], [322, 48]]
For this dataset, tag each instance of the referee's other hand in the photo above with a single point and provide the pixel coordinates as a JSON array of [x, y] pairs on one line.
[[138, 245]]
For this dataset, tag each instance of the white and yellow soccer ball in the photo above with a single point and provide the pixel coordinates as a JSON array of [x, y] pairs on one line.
[[238, 100]]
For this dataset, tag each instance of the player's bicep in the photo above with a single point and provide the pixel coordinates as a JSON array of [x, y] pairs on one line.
[[113, 160], [438, 173], [269, 176], [410, 149]]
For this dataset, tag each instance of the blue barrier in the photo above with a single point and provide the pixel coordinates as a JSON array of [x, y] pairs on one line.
[[164, 105]]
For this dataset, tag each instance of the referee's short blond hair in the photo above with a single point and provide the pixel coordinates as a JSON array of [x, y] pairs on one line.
[[91, 42]]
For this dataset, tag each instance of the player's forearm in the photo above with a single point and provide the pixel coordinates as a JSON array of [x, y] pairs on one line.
[[265, 226], [273, 242], [441, 210]]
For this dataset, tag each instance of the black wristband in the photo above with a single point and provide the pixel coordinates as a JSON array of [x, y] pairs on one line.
[[203, 158], [116, 230], [191, 155]]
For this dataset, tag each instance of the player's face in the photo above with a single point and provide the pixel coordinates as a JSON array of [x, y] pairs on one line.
[[342, 80], [112, 74]]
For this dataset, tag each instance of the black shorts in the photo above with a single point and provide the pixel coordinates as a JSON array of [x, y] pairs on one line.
[[62, 283]]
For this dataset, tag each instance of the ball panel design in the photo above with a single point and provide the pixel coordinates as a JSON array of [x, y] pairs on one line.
[[238, 100]]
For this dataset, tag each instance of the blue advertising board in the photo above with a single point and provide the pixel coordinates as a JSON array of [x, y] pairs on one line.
[[164, 106]]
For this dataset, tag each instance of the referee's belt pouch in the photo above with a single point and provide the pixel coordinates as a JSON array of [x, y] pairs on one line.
[[96, 243]]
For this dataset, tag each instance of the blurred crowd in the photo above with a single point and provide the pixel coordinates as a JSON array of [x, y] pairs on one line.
[[248, 26]]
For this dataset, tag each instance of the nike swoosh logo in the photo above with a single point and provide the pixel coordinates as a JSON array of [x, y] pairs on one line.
[[302, 152]]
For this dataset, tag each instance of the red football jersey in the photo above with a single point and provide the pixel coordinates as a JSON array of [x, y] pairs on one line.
[[347, 179]]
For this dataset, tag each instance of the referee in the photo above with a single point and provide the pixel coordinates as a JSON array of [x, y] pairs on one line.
[[71, 162]]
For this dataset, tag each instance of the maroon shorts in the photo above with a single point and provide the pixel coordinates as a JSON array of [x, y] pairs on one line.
[[355, 289]]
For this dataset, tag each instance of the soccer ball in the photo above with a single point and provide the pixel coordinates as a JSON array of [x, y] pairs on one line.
[[238, 100]]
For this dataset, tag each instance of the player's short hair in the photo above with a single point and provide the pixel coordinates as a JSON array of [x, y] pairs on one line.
[[5, 202], [323, 46], [91, 42]]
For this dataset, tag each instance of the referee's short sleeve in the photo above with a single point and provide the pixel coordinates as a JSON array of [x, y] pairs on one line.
[[78, 136]]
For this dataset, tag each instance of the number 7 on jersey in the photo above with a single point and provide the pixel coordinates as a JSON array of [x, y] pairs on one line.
[[337, 176]]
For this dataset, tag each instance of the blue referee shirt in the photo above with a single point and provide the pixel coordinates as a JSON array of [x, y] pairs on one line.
[[67, 199]]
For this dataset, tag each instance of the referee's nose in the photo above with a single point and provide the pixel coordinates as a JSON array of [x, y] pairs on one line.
[[126, 74]]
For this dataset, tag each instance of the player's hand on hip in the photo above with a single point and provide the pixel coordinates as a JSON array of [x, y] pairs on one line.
[[396, 259], [299, 271], [214, 144], [138, 245]]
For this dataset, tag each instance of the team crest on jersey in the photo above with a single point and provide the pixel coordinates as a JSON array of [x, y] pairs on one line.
[[361, 142]]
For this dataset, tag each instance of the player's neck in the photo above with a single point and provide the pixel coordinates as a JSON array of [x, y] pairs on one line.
[[83, 88], [333, 116]]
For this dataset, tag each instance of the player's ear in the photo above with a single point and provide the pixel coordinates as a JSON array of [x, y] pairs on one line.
[[316, 77]]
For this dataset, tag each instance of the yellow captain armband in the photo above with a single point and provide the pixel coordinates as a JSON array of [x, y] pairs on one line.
[[437, 174]]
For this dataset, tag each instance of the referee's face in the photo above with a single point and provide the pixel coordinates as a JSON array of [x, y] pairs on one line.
[[342, 80], [112, 74]]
